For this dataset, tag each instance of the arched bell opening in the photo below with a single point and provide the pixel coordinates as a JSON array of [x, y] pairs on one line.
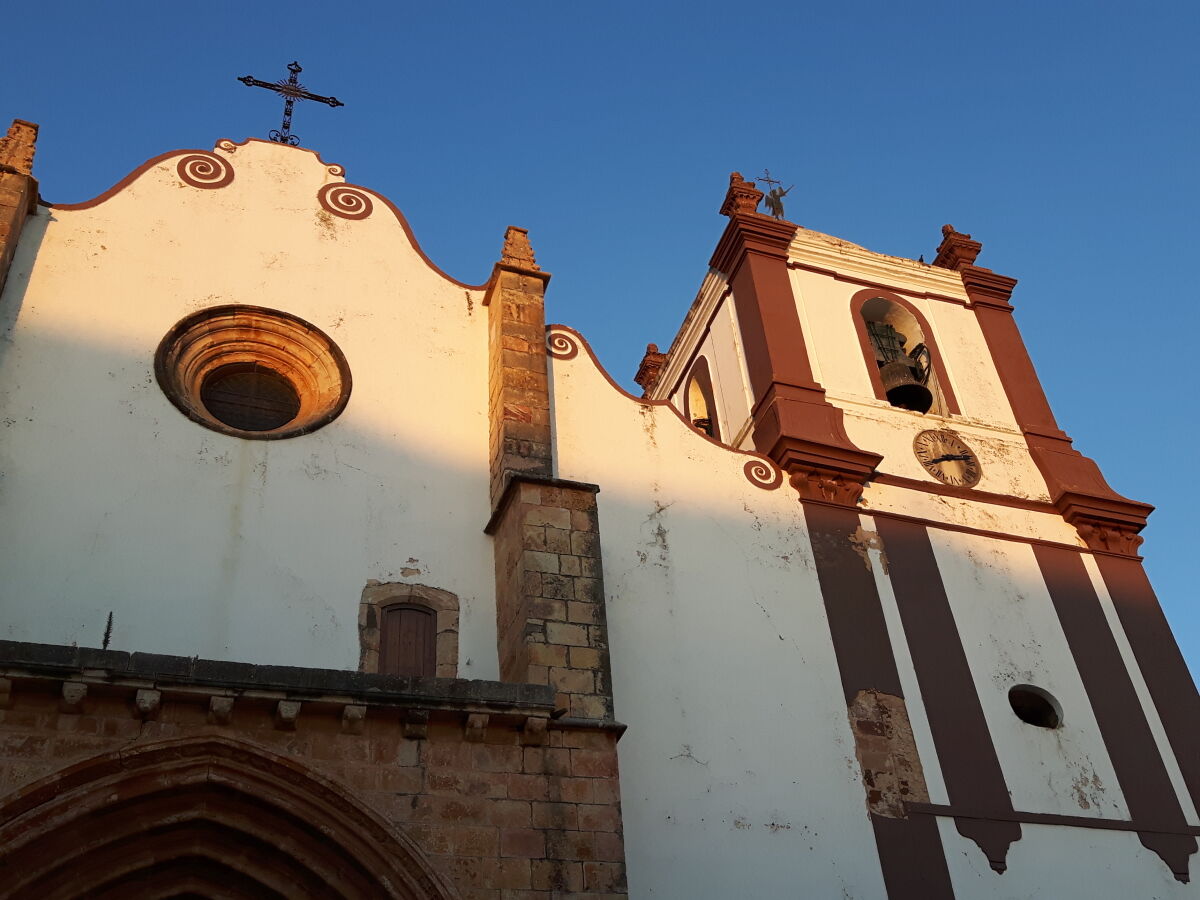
[[203, 817], [700, 405], [901, 355]]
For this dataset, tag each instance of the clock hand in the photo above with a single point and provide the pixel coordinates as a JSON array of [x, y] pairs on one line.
[[947, 457]]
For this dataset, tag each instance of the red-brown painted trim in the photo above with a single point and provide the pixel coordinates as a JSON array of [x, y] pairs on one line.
[[150, 163], [857, 301], [875, 285], [412, 239], [983, 532], [852, 602], [231, 146], [910, 851], [794, 423], [912, 858], [703, 377], [965, 750], [563, 343], [206, 171], [346, 201], [763, 473], [1140, 770], [1106, 520], [1161, 663], [1030, 818], [123, 183], [963, 493]]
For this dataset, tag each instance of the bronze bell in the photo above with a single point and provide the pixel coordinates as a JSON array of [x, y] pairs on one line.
[[902, 388]]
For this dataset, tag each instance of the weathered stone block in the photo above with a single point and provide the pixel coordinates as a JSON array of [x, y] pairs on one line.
[[572, 635]]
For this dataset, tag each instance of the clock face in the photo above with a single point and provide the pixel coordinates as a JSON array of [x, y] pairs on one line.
[[947, 458]]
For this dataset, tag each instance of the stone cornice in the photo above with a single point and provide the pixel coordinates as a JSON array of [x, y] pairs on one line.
[[165, 673]]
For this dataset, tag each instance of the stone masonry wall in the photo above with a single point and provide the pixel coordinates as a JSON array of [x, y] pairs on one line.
[[18, 189], [551, 626], [519, 436], [549, 588], [502, 809]]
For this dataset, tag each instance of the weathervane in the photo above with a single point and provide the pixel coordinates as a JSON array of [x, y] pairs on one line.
[[292, 90], [774, 198]]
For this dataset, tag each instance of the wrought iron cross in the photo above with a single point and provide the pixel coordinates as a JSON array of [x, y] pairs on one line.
[[292, 90]]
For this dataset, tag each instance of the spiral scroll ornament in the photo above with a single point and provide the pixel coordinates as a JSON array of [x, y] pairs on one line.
[[763, 474], [561, 346], [345, 201], [204, 170], [336, 170]]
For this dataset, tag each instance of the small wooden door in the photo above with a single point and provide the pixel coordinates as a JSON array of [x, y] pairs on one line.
[[408, 644]]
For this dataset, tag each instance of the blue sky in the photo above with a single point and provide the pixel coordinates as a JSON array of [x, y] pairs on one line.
[[1062, 135]]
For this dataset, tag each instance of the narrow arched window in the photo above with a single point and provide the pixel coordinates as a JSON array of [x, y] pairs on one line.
[[700, 407], [408, 640], [901, 355]]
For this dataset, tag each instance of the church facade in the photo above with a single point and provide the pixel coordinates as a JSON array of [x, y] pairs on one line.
[[326, 574]]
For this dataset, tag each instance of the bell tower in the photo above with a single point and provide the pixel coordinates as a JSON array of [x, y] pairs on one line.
[[994, 631]]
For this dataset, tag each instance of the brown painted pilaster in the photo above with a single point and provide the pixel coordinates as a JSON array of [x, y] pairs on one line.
[[1106, 520], [1149, 794], [793, 422], [18, 188], [970, 767], [910, 848], [1160, 661]]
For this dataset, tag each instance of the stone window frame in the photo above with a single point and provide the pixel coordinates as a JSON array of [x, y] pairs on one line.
[[204, 343], [377, 596]]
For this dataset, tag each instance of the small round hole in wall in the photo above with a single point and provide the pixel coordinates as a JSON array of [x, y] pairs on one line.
[[1035, 706], [253, 373]]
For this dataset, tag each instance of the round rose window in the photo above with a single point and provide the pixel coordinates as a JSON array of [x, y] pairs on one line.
[[253, 372]]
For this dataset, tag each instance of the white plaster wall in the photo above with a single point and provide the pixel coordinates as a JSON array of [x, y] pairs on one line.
[[1050, 861], [1143, 692], [1011, 635], [1005, 464], [970, 513], [731, 380], [204, 544], [722, 348], [986, 420], [738, 772]]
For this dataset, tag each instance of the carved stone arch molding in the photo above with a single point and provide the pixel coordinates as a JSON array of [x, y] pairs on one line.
[[211, 816]]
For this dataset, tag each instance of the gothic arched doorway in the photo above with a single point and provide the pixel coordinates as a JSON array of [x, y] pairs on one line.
[[202, 817]]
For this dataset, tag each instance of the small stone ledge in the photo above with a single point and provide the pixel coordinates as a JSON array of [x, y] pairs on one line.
[[514, 480], [161, 672], [572, 723]]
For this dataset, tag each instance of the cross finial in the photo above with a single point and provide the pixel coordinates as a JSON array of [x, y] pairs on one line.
[[291, 90]]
